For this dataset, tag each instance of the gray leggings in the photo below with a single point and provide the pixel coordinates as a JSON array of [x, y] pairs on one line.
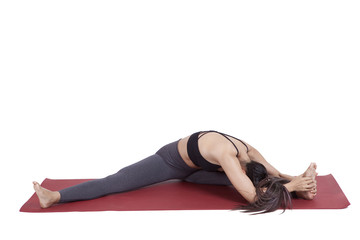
[[164, 165]]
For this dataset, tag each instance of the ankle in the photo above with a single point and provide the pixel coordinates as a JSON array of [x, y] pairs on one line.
[[56, 197]]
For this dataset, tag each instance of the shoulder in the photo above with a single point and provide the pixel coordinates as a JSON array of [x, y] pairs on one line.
[[251, 148], [216, 145]]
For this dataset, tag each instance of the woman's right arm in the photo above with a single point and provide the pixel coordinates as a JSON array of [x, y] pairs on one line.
[[242, 183], [301, 183]]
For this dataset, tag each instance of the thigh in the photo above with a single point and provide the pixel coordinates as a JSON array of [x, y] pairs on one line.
[[150, 170], [205, 177]]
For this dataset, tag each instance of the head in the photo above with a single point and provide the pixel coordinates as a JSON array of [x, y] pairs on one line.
[[271, 195], [256, 172]]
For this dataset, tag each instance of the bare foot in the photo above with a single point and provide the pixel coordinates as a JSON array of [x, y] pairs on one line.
[[310, 172], [46, 197]]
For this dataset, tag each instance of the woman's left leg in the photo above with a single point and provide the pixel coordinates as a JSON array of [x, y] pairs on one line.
[[205, 177]]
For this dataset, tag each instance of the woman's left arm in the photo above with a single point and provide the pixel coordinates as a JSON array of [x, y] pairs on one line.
[[297, 183]]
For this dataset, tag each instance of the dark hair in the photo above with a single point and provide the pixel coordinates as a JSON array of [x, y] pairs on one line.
[[270, 199], [256, 172]]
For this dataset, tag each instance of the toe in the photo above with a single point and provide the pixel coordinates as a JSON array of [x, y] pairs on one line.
[[36, 183], [35, 186], [313, 165]]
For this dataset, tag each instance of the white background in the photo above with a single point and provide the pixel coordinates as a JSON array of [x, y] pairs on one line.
[[88, 87]]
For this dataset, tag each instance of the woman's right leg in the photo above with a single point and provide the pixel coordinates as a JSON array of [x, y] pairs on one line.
[[151, 170]]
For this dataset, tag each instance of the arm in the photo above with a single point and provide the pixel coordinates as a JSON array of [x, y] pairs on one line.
[[297, 183], [256, 156], [301, 183], [231, 166]]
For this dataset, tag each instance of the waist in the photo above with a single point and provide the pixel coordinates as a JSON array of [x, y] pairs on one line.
[[195, 156], [170, 153], [182, 147]]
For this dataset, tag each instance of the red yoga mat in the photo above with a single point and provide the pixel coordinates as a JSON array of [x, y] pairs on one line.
[[179, 195]]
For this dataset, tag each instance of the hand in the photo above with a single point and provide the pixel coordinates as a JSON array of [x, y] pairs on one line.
[[301, 183]]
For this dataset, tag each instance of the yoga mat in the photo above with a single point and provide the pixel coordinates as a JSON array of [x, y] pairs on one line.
[[179, 195]]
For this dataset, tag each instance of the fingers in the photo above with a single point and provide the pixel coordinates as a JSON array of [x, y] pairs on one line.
[[314, 191], [302, 183], [307, 178], [313, 188], [309, 184], [312, 184], [308, 181]]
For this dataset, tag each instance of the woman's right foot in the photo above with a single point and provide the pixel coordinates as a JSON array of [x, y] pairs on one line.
[[310, 172], [46, 197]]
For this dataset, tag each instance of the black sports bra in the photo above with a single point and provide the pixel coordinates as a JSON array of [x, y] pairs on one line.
[[195, 155]]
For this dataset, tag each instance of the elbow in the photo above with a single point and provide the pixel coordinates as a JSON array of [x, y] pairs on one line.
[[252, 200], [276, 174], [249, 196]]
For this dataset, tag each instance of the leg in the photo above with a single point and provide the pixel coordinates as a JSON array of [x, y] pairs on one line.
[[151, 170], [205, 177]]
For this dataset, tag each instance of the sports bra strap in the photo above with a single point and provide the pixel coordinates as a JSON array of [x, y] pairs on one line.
[[227, 137]]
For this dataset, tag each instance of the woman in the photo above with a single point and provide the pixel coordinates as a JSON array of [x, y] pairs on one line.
[[207, 157]]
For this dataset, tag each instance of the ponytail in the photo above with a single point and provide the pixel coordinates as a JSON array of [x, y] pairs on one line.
[[271, 194]]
